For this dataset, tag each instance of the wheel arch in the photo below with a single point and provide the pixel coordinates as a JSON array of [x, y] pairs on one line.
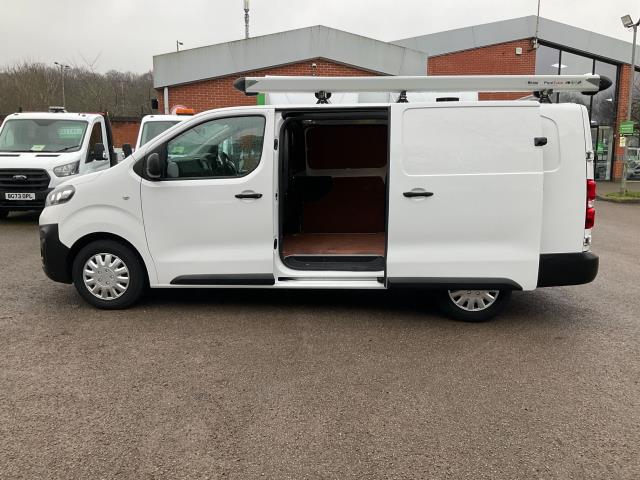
[[96, 236]]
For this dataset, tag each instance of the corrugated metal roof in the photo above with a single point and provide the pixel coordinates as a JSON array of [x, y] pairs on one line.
[[284, 48], [518, 28]]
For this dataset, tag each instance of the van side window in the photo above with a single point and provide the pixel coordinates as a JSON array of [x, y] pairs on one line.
[[225, 147]]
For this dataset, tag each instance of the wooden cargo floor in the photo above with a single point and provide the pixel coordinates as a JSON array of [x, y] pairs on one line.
[[334, 244]]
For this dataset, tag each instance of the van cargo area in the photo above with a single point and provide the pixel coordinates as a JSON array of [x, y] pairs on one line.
[[333, 184]]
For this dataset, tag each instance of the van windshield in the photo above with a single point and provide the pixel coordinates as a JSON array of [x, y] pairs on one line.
[[40, 135], [151, 130]]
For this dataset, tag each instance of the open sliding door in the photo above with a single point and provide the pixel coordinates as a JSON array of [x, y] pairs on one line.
[[465, 195]]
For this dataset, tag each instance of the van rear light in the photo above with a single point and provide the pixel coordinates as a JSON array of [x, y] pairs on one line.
[[591, 190], [590, 214], [590, 218]]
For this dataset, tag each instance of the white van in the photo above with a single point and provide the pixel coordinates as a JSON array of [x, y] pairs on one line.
[[39, 151], [153, 125], [473, 199]]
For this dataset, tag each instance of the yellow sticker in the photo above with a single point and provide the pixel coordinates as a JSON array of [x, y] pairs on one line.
[[37, 148]]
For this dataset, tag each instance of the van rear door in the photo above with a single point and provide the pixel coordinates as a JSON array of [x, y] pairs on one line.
[[465, 195]]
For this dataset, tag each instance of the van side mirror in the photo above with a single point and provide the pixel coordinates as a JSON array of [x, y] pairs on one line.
[[154, 167], [97, 154], [126, 149]]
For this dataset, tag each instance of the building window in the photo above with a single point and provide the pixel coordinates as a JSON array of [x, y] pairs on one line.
[[603, 109], [602, 106], [547, 61], [572, 64]]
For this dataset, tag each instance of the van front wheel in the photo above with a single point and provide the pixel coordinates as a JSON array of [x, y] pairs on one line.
[[108, 275], [474, 305]]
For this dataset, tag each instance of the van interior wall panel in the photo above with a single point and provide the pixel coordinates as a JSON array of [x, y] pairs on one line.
[[352, 205], [336, 195], [346, 147]]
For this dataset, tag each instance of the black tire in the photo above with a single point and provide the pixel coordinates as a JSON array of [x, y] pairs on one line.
[[137, 276], [451, 309], [4, 214]]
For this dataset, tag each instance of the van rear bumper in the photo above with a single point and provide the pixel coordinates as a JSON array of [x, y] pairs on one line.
[[557, 269]]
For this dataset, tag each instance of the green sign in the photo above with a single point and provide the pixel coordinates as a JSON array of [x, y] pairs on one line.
[[626, 127]]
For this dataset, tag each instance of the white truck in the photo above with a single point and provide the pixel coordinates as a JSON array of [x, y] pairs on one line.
[[40, 150], [473, 199]]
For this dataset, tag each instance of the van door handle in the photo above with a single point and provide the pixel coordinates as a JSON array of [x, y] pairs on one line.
[[249, 195], [418, 194]]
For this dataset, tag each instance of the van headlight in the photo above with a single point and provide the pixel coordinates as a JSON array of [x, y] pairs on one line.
[[66, 170], [60, 195]]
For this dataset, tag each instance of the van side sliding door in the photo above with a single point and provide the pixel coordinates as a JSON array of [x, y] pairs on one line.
[[465, 195]]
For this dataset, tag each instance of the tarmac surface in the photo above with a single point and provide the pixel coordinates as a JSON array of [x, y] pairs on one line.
[[257, 384]]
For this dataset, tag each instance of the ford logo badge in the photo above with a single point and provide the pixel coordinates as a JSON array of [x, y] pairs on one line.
[[19, 178]]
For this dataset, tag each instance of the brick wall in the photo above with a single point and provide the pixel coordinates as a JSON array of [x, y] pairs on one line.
[[219, 92], [124, 131], [623, 104], [499, 59]]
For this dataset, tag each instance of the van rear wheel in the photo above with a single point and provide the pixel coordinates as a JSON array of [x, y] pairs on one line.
[[473, 305], [108, 275]]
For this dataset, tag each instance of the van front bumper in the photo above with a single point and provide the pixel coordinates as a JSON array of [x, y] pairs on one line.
[[557, 269], [54, 254], [23, 205]]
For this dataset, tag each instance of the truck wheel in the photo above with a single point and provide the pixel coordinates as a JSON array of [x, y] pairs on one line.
[[474, 305], [108, 275]]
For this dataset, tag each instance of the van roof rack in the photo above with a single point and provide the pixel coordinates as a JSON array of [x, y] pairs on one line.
[[541, 85]]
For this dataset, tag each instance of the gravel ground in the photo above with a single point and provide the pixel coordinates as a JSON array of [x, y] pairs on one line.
[[250, 384]]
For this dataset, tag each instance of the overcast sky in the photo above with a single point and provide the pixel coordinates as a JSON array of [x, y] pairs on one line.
[[125, 34]]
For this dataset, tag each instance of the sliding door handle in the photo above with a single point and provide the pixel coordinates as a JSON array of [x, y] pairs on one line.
[[417, 194], [249, 195]]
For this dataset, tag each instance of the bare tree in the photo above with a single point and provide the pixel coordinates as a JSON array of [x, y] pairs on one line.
[[35, 86]]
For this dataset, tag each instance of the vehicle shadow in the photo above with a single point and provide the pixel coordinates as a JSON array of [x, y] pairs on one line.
[[526, 309], [408, 302], [18, 218]]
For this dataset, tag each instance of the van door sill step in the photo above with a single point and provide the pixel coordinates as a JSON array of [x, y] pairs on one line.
[[349, 263]]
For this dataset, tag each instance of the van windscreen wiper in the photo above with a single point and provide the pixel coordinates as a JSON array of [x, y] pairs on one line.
[[66, 148]]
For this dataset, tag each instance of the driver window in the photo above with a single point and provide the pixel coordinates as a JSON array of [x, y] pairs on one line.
[[96, 137], [97, 164], [225, 147]]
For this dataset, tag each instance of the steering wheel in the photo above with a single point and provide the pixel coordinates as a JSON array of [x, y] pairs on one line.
[[228, 167]]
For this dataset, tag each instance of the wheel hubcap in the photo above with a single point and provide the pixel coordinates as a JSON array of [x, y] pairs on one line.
[[473, 300], [106, 276]]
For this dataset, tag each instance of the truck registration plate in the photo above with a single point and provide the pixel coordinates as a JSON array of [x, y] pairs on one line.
[[19, 196]]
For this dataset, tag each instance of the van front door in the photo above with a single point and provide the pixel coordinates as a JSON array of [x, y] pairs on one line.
[[465, 195], [209, 219]]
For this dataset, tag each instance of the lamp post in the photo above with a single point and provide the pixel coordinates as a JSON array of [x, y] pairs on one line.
[[63, 67], [628, 22], [246, 18]]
